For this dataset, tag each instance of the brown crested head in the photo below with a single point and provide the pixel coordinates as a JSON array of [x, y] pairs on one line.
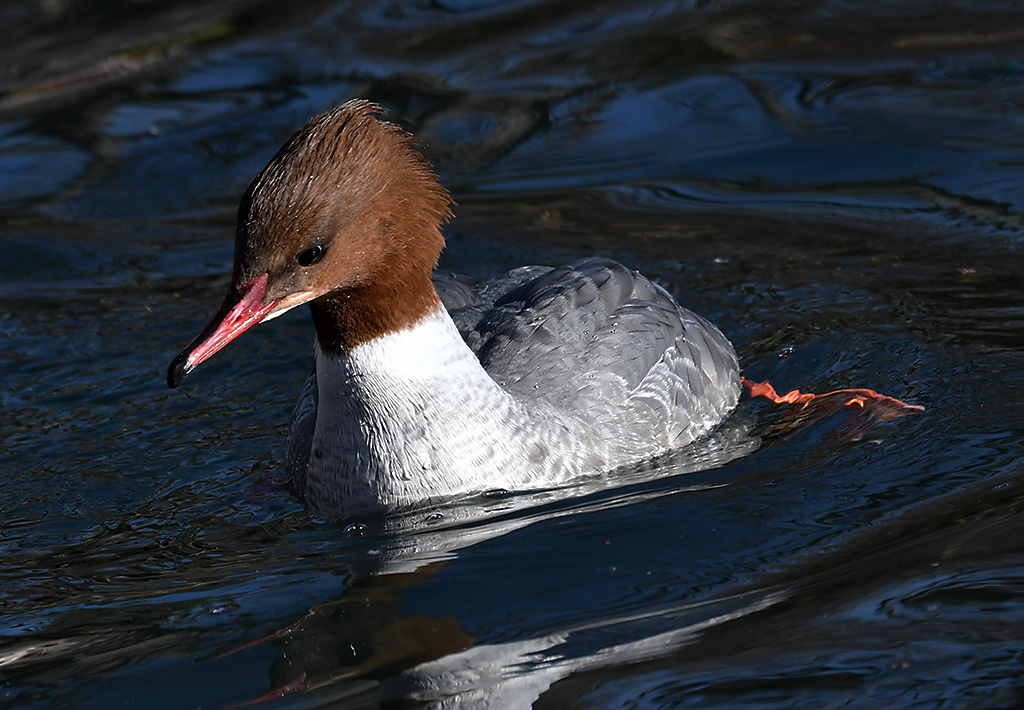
[[347, 205], [347, 217]]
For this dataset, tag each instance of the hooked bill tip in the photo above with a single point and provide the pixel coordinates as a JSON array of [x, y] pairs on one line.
[[178, 369]]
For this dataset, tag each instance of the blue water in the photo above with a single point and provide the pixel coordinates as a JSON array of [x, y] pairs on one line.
[[837, 185]]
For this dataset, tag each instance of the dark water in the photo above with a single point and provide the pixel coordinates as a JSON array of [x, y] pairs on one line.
[[837, 184]]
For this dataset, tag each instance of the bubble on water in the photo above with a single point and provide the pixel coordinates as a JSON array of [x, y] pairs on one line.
[[356, 529]]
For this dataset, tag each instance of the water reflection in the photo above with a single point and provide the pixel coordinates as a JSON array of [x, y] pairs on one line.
[[369, 632]]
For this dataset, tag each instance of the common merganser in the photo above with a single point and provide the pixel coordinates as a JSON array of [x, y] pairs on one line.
[[427, 388]]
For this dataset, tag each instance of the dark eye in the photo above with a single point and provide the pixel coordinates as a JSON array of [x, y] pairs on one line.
[[311, 255]]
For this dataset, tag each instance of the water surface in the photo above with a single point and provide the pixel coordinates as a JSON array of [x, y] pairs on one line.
[[837, 185]]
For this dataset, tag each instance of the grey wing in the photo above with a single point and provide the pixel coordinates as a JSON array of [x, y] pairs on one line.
[[457, 292], [300, 435], [694, 384], [469, 300], [594, 331]]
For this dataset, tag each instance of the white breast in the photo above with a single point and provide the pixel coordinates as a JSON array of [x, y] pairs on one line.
[[413, 416]]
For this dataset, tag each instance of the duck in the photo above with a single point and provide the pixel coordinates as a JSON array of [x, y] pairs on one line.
[[432, 387]]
